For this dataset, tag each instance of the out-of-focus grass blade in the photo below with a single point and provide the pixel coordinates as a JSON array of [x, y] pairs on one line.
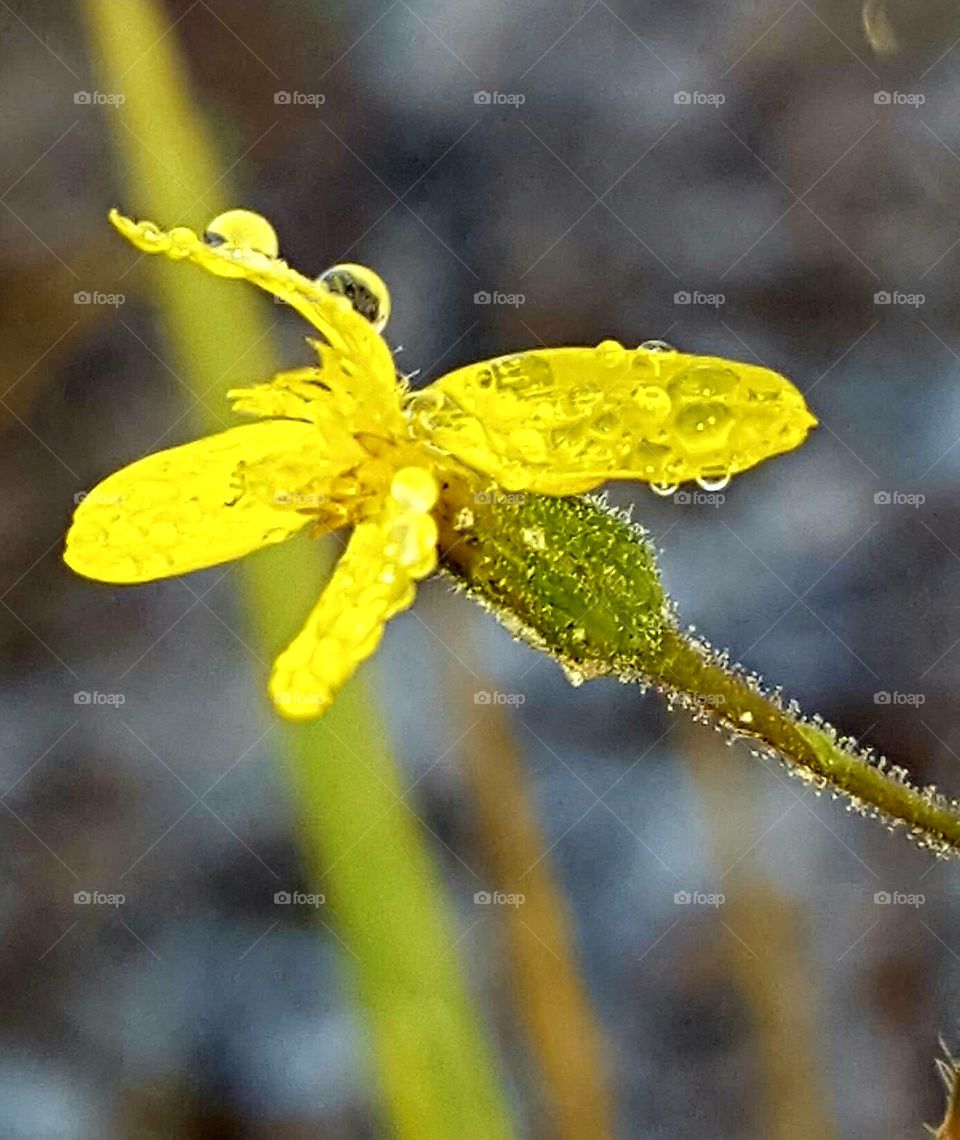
[[434, 1065]]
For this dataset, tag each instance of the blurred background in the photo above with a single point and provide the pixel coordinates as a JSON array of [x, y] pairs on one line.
[[679, 940]]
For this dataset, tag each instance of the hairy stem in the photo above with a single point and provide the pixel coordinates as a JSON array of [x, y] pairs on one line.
[[579, 580]]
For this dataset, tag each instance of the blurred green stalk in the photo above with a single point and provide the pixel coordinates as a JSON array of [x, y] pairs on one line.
[[360, 839]]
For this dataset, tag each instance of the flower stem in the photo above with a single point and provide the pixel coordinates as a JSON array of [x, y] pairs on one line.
[[579, 580]]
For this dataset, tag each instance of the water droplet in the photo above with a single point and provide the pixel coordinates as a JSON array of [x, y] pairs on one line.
[[652, 401], [534, 537], [657, 346], [704, 425], [605, 423], [716, 484], [243, 229], [610, 353], [704, 382], [364, 289], [664, 489], [746, 717]]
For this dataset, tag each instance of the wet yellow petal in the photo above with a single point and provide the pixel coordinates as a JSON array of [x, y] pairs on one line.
[[197, 505], [327, 395], [246, 248], [564, 420], [374, 580]]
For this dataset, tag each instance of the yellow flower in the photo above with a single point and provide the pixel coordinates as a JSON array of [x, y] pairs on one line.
[[345, 442]]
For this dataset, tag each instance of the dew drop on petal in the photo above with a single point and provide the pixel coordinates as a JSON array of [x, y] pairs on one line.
[[657, 346], [243, 229], [716, 484], [364, 289], [664, 489], [611, 353]]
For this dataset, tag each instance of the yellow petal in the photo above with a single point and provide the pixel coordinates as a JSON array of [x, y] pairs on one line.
[[326, 395], [374, 580], [564, 420], [242, 244], [193, 506]]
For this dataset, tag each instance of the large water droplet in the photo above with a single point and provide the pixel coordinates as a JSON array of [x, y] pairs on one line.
[[664, 489], [652, 400], [243, 229], [716, 484], [704, 381], [364, 289], [610, 353]]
